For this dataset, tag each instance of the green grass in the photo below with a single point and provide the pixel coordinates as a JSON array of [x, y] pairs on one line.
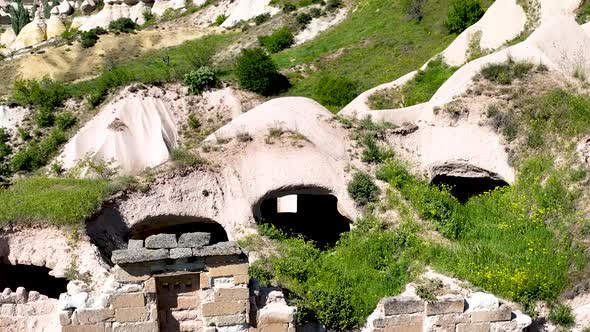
[[51, 200], [374, 45], [341, 286], [416, 91], [162, 66]]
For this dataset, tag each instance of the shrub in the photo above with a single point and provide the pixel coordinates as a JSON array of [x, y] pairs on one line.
[[200, 79], [363, 189], [123, 25], [5, 149], [44, 118], [373, 153], [19, 16], [415, 9], [505, 73], [335, 91], [278, 40], [259, 19], [88, 38], [562, 315], [333, 4], [45, 94], [220, 19], [289, 7], [65, 120], [463, 14], [36, 155], [258, 73], [315, 12], [185, 158], [303, 19], [148, 17], [193, 121]]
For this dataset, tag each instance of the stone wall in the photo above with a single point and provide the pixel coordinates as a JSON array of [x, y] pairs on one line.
[[169, 284], [26, 311], [448, 313]]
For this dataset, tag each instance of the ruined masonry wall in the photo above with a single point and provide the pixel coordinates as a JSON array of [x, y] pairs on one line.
[[27, 311]]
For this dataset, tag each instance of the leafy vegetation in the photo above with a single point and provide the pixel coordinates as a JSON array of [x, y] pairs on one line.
[[367, 48], [123, 25], [260, 19], [52, 200], [200, 79], [278, 40], [335, 92], [220, 19], [257, 72], [417, 90], [464, 14], [19, 16], [90, 37], [363, 189], [340, 287], [562, 315], [505, 73]]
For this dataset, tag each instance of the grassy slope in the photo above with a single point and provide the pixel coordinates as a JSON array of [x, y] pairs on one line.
[[377, 44]]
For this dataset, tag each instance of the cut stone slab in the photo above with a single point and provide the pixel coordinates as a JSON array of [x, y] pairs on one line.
[[176, 253], [128, 256], [135, 244], [218, 249], [161, 241], [402, 305], [445, 305], [194, 240]]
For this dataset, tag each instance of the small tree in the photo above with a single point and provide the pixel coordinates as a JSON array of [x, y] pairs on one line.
[[258, 73], [463, 14], [200, 79], [19, 16], [278, 40], [363, 189]]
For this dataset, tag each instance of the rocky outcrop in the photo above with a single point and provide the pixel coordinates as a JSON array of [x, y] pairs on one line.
[[31, 34], [7, 37], [55, 27], [27, 311]]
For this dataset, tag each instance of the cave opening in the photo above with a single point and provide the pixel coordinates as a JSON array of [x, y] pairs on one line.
[[314, 216], [463, 188], [171, 224], [32, 278]]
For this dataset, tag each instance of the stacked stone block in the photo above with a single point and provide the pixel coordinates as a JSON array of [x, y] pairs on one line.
[[21, 308], [187, 281], [448, 313]]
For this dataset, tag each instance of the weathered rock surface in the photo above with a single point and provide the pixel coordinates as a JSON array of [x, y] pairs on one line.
[[194, 240], [161, 241]]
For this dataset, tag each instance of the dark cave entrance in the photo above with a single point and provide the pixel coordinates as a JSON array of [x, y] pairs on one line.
[[32, 278], [463, 188], [313, 215], [171, 224]]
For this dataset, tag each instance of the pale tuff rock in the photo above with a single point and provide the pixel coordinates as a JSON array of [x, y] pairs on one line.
[[55, 27], [31, 34], [247, 9]]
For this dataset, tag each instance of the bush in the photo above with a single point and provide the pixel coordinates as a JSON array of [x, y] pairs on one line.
[[258, 73], [35, 155], [44, 118], [65, 120], [45, 94], [5, 149], [333, 4], [315, 12], [259, 19], [415, 9], [289, 7], [185, 158], [278, 40], [200, 79], [123, 25], [193, 122], [373, 153], [220, 19], [335, 91], [303, 19], [88, 38], [363, 189], [562, 315], [505, 73], [464, 14]]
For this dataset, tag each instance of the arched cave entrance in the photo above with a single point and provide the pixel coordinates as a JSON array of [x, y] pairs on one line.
[[310, 212], [32, 278], [463, 188], [173, 224]]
